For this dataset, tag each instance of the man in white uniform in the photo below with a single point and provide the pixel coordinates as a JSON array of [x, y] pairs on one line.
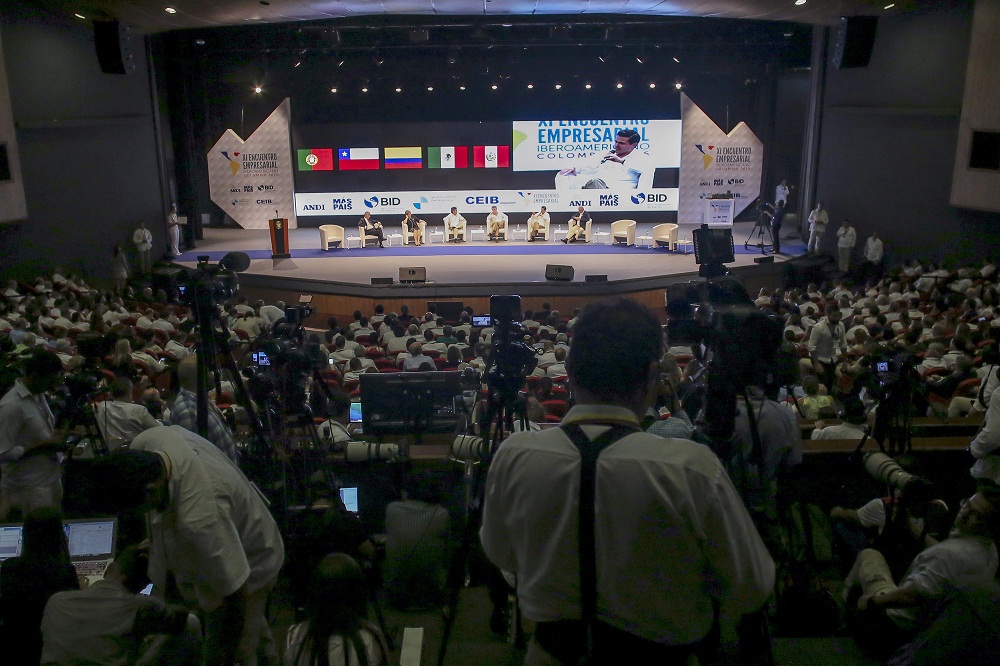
[[174, 227], [847, 237], [454, 224], [618, 169], [818, 219], [210, 527], [143, 241]]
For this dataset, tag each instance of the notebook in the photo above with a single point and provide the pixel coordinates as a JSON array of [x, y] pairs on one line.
[[91, 544]]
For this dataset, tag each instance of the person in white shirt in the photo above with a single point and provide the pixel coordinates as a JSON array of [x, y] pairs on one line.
[[454, 225], [119, 419], [537, 223], [496, 222], [818, 219], [847, 237], [143, 241], [174, 229], [624, 167], [781, 192]]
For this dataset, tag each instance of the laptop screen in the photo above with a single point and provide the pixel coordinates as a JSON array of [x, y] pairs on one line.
[[10, 541], [90, 538], [350, 498]]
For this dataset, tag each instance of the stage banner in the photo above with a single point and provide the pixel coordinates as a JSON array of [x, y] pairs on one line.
[[720, 212], [713, 162], [426, 203], [252, 180]]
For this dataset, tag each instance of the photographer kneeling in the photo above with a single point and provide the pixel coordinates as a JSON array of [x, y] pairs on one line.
[[968, 557]]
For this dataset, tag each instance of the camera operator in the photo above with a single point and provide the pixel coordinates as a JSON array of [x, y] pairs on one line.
[[184, 411], [968, 557], [28, 440]]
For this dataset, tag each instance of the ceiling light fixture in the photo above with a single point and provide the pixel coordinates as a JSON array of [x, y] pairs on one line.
[[299, 62], [618, 85], [461, 87], [601, 58], [558, 86], [333, 90], [530, 86], [399, 90], [430, 88], [638, 60], [258, 89], [678, 85], [676, 59], [800, 2], [889, 6], [587, 86], [494, 86], [652, 85], [364, 90], [170, 10]]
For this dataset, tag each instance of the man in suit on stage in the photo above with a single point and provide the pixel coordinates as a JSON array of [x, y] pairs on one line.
[[577, 225], [369, 227], [537, 223]]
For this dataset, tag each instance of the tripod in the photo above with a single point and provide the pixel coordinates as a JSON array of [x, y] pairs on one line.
[[762, 229]]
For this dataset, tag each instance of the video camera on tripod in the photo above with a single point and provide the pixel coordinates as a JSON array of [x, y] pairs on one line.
[[893, 382]]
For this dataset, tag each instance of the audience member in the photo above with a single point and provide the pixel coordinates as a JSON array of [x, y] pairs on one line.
[[119, 418], [184, 411]]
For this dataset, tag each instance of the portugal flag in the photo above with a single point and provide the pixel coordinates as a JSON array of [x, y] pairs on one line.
[[451, 157], [490, 157], [315, 159]]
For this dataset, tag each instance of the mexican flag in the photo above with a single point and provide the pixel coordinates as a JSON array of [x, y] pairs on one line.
[[451, 157]]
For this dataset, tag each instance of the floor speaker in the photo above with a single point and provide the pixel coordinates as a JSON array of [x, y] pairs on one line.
[[113, 42], [557, 272], [855, 40], [413, 274]]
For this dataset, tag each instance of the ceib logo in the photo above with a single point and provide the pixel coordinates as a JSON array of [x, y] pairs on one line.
[[233, 164], [706, 154]]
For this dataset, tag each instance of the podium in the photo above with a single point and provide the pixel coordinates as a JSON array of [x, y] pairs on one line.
[[279, 238]]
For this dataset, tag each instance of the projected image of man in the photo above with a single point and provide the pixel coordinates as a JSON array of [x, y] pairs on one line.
[[625, 167]]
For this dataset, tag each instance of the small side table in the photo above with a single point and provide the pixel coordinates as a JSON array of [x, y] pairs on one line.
[[480, 232], [519, 231], [686, 244], [353, 239], [436, 233], [395, 237], [603, 237], [644, 241]]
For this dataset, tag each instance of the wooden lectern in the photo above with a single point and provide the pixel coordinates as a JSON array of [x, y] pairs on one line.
[[279, 238]]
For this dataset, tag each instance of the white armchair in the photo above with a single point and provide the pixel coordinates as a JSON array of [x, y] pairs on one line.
[[586, 230], [665, 234], [408, 235], [544, 231], [460, 230], [503, 229], [331, 234], [366, 237], [623, 230]]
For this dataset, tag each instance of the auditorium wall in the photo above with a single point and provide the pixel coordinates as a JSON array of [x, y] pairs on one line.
[[87, 148], [888, 141]]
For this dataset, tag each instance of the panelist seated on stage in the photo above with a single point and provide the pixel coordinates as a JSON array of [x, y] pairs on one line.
[[577, 225], [497, 224], [454, 225], [369, 227], [413, 226], [538, 223]]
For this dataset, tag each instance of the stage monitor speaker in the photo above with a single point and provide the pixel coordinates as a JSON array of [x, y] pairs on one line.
[[113, 42], [558, 272], [411, 274], [595, 278], [763, 260], [855, 40], [382, 281]]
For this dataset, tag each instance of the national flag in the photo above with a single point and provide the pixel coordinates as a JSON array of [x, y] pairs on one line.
[[490, 157], [404, 158], [449, 157], [358, 159], [315, 159]]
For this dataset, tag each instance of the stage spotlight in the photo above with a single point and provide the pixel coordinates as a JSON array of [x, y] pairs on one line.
[[364, 90], [430, 88], [461, 87], [800, 2], [601, 58], [258, 89], [889, 6], [676, 59], [80, 16], [587, 86], [530, 86], [619, 86], [678, 85], [333, 90], [638, 60], [170, 10], [493, 87], [399, 90], [297, 63], [558, 86], [652, 85]]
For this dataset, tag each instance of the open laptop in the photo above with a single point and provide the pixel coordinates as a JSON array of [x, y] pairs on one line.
[[350, 498], [91, 544]]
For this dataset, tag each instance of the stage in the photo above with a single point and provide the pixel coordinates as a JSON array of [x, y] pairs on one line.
[[456, 266]]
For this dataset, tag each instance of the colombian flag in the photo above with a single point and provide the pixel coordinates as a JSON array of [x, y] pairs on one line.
[[315, 159], [490, 157], [358, 159], [404, 158]]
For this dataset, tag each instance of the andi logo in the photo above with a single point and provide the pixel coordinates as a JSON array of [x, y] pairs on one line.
[[371, 202], [233, 164], [706, 155]]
